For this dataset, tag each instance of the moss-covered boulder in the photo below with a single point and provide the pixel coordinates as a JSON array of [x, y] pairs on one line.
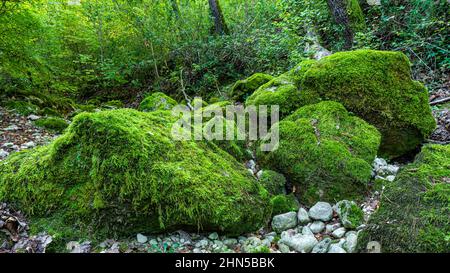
[[283, 203], [325, 152], [157, 101], [377, 86], [414, 215], [244, 88], [121, 170], [284, 92], [216, 130], [52, 124], [273, 182]]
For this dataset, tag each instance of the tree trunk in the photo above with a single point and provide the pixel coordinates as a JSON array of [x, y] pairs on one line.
[[220, 27], [339, 10]]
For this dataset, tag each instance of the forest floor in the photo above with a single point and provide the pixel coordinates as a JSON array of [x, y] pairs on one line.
[[19, 132]]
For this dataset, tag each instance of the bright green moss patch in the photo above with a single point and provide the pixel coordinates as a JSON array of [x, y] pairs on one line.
[[157, 101], [377, 86], [284, 203], [350, 214], [121, 171], [325, 151], [273, 182], [284, 92], [414, 215], [244, 88], [52, 124]]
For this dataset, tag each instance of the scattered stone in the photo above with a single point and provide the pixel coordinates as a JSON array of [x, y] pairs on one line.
[[283, 248], [142, 239], [33, 117], [332, 227], [339, 233], [213, 236], [11, 128], [75, 247], [350, 241], [230, 242], [284, 221], [390, 178], [299, 242], [317, 227], [321, 211], [307, 231], [303, 217], [334, 248], [3, 153], [322, 246]]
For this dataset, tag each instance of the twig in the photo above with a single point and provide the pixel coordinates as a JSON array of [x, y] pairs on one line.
[[188, 100], [439, 101]]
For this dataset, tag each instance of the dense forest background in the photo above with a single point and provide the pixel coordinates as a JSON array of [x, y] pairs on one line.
[[116, 49]]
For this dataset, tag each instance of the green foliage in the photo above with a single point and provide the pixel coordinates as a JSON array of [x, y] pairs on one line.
[[377, 86], [121, 171], [52, 124], [415, 208], [157, 101], [284, 203], [325, 151], [418, 28]]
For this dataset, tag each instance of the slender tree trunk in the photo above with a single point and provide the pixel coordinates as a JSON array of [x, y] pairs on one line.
[[220, 27], [339, 10]]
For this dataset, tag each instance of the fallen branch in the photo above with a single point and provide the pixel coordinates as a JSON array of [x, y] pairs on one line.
[[436, 102]]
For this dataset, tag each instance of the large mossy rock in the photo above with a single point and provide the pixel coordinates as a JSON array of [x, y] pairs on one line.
[[121, 170], [157, 101], [244, 88], [325, 152], [414, 215], [377, 86], [284, 91]]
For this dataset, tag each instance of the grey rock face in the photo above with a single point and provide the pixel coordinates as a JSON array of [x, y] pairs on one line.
[[284, 221]]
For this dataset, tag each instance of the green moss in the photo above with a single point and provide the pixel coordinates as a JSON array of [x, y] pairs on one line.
[[244, 88], [273, 182], [235, 146], [325, 151], [284, 203], [377, 86], [113, 104], [198, 103], [414, 215], [52, 124], [121, 171], [355, 15], [46, 111], [157, 101], [22, 107], [284, 91], [350, 214]]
